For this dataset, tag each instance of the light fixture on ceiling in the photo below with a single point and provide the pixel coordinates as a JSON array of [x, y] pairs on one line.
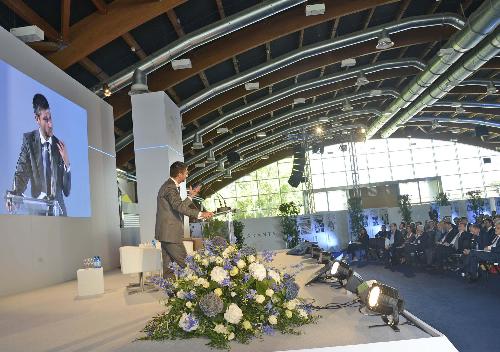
[[106, 91], [227, 174], [324, 119], [197, 143], [348, 62], [491, 89], [346, 106], [139, 83], [221, 167], [222, 130], [200, 165], [28, 34], [362, 130], [319, 130], [315, 9], [211, 157], [362, 80], [261, 134], [376, 92], [299, 100], [264, 157], [181, 64], [384, 41], [252, 86]]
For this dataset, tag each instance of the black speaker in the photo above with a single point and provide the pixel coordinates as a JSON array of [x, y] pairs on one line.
[[233, 157], [481, 131], [299, 161], [487, 160]]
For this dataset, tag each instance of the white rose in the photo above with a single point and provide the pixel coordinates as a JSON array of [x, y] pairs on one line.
[[272, 320], [219, 261], [200, 281], [302, 313], [205, 262], [206, 284], [230, 336], [180, 294], [251, 258], [258, 271], [274, 275], [227, 252], [233, 294], [212, 259], [291, 304], [184, 323], [288, 313], [221, 329], [218, 274], [233, 314], [241, 264], [259, 298], [269, 292]]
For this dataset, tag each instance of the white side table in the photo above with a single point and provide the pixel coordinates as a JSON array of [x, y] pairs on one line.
[[90, 281]]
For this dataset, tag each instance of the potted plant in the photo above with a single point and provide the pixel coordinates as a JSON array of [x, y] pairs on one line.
[[355, 215], [405, 208], [288, 213], [476, 203], [443, 204], [238, 232]]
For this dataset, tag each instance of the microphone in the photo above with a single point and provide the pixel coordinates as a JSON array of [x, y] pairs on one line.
[[225, 208]]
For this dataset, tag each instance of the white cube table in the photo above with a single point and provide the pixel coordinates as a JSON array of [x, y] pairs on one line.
[[90, 281]]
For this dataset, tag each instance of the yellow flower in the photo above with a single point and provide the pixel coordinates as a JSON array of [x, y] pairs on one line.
[[269, 292], [234, 271], [260, 298], [189, 304], [241, 264], [288, 313], [218, 291], [272, 320], [204, 262], [247, 325], [206, 284], [251, 258]]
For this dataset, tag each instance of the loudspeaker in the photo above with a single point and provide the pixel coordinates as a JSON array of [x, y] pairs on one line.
[[299, 161], [481, 131], [487, 160], [233, 157]]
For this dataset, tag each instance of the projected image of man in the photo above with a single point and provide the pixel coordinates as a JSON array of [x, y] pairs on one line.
[[43, 160]]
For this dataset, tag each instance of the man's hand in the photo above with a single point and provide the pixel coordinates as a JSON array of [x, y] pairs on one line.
[[193, 192], [9, 206], [64, 152], [487, 248], [466, 251], [206, 214]]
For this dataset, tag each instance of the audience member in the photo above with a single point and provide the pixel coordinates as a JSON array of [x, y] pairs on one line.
[[490, 254], [361, 243]]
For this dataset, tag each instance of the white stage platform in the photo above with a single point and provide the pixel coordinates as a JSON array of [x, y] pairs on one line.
[[54, 319]]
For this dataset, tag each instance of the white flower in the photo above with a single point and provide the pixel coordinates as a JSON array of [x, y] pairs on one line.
[[221, 329], [269, 292], [241, 264], [288, 313], [212, 259], [188, 322], [247, 325], [200, 281], [274, 275], [233, 314], [233, 294], [258, 271], [180, 294], [291, 304], [219, 261], [251, 258], [272, 320], [259, 298], [227, 252], [230, 336], [206, 284], [218, 274], [197, 257], [302, 313], [175, 285], [205, 262], [189, 304]]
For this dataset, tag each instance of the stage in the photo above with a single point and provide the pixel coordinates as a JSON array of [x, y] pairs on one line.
[[55, 320]]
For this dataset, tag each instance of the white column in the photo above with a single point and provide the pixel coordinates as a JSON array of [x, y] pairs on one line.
[[157, 144]]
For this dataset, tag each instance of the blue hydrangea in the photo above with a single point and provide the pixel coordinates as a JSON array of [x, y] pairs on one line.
[[226, 282], [268, 330], [251, 294], [268, 255], [211, 304], [227, 265], [292, 290], [190, 295], [246, 277]]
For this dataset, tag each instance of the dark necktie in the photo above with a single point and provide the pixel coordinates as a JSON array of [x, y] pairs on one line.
[[48, 168]]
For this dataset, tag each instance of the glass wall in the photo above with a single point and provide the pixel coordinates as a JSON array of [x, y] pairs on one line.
[[421, 167]]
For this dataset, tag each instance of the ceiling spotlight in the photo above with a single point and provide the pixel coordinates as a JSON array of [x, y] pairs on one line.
[[315, 9], [221, 167], [362, 80], [324, 119], [181, 64], [459, 110], [199, 165], [299, 100], [384, 42], [264, 157], [261, 134], [383, 299], [252, 86], [319, 130], [211, 157], [362, 130], [348, 63], [222, 130], [346, 106], [106, 90], [197, 143], [491, 89], [227, 174]]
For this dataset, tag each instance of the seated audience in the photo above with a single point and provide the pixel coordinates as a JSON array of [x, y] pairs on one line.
[[419, 244], [382, 233], [490, 254], [361, 243], [393, 240]]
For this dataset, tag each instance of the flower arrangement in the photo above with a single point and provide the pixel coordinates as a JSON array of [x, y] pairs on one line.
[[227, 294]]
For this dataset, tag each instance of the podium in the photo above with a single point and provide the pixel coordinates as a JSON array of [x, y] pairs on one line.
[[32, 206]]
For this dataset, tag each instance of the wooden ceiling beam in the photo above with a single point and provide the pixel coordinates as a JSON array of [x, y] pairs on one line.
[[31, 17], [174, 21], [65, 17], [46, 47], [134, 46], [243, 40], [97, 30], [91, 66], [418, 36], [101, 6]]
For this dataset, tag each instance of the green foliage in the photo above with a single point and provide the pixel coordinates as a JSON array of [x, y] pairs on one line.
[[288, 213], [476, 203], [238, 232], [355, 210], [442, 199], [405, 208], [215, 227]]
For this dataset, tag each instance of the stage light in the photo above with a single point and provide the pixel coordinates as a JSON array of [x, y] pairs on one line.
[[197, 143], [347, 106], [261, 134], [491, 89], [319, 130], [382, 299], [342, 272], [106, 90], [362, 80], [384, 42]]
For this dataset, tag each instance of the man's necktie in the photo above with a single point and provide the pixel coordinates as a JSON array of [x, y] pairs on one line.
[[48, 168]]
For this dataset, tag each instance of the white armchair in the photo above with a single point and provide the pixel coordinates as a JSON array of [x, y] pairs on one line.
[[140, 260]]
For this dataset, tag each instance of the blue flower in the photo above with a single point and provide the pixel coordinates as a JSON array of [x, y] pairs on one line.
[[226, 282], [227, 265], [246, 277], [292, 290], [190, 295], [268, 330], [251, 294], [268, 255]]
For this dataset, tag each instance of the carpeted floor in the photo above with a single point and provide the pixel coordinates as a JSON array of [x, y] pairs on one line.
[[467, 313]]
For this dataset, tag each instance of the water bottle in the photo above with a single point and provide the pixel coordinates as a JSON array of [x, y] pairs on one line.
[[97, 262]]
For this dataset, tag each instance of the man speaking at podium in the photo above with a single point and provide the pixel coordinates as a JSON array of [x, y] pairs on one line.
[[170, 217], [43, 160]]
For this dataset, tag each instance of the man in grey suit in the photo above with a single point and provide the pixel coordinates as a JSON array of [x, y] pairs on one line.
[[170, 217]]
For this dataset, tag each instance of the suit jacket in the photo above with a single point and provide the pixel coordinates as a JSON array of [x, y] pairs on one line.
[[29, 168], [464, 241], [170, 211], [486, 237], [449, 236]]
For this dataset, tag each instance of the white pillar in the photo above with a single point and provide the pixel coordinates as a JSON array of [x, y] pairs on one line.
[[157, 144]]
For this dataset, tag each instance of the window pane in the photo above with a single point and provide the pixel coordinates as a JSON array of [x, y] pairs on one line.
[[246, 189], [320, 201], [378, 160], [447, 167], [402, 157], [379, 175], [418, 143], [402, 172], [399, 144], [335, 179], [410, 188], [472, 180], [428, 190], [424, 170], [269, 186], [337, 200], [451, 183], [422, 155], [467, 151], [316, 167], [445, 153], [334, 165], [377, 146], [318, 181], [468, 166]]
